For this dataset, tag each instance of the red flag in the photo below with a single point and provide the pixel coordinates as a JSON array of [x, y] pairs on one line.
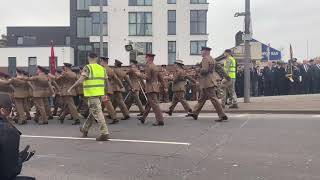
[[53, 63]]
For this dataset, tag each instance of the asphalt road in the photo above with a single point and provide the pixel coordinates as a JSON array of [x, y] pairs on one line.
[[248, 147]]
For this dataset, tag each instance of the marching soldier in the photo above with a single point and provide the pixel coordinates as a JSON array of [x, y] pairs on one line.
[[21, 93], [112, 80], [83, 101], [208, 84], [68, 78], [164, 96], [58, 103], [179, 88], [5, 83], [118, 90], [41, 91], [93, 78], [152, 77], [136, 87]]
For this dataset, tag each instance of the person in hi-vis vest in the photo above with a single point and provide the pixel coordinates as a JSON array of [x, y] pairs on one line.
[[94, 77], [230, 67]]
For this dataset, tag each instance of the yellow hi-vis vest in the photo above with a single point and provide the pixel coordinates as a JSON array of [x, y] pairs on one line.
[[230, 67], [95, 84]]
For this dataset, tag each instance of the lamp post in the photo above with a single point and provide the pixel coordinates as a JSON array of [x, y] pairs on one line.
[[247, 38], [101, 28]]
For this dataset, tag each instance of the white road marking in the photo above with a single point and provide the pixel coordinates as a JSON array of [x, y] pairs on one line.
[[202, 116], [113, 140], [246, 122], [316, 116]]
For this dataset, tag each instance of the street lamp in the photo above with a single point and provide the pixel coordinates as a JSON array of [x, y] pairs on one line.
[[247, 38], [101, 28]]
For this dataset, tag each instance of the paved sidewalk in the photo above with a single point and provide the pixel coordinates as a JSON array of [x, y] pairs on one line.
[[297, 104]]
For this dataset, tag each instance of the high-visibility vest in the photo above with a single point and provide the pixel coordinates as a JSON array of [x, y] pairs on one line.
[[231, 67], [95, 84]]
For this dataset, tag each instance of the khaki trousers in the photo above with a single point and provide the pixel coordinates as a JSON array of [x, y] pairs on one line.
[[41, 112], [47, 106], [20, 108], [179, 96], [69, 104], [110, 108], [134, 97], [208, 94], [118, 101], [153, 103], [96, 113]]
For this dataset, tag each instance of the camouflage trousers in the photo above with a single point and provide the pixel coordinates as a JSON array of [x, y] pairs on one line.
[[96, 113], [229, 92]]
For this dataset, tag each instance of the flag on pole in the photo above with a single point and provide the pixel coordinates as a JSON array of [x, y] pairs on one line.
[[53, 63], [291, 53]]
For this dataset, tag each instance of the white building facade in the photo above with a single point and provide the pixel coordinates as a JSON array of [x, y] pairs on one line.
[[171, 29], [26, 56]]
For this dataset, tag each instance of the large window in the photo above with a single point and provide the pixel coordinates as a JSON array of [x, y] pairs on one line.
[[82, 54], [195, 47], [96, 23], [172, 52], [198, 1], [84, 27], [84, 4], [97, 2], [172, 22], [172, 1], [140, 2], [198, 22], [96, 49], [140, 23]]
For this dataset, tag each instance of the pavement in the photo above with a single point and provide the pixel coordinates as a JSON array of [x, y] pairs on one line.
[[297, 104], [247, 147]]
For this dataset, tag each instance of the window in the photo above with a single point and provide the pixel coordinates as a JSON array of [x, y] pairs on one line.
[[67, 41], [195, 47], [84, 27], [84, 4], [32, 65], [198, 1], [96, 23], [140, 2], [140, 23], [172, 1], [97, 2], [12, 66], [82, 54], [172, 22], [96, 49], [172, 51], [20, 40], [198, 22], [142, 49]]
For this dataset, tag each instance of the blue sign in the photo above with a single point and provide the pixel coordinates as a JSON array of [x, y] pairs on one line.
[[275, 55]]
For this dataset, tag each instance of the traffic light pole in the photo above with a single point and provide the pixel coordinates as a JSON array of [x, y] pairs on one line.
[[101, 28], [247, 53]]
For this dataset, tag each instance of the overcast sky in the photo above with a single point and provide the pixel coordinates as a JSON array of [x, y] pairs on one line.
[[278, 22]]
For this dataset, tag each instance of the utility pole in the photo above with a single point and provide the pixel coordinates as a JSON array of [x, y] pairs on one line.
[[247, 39], [101, 28]]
